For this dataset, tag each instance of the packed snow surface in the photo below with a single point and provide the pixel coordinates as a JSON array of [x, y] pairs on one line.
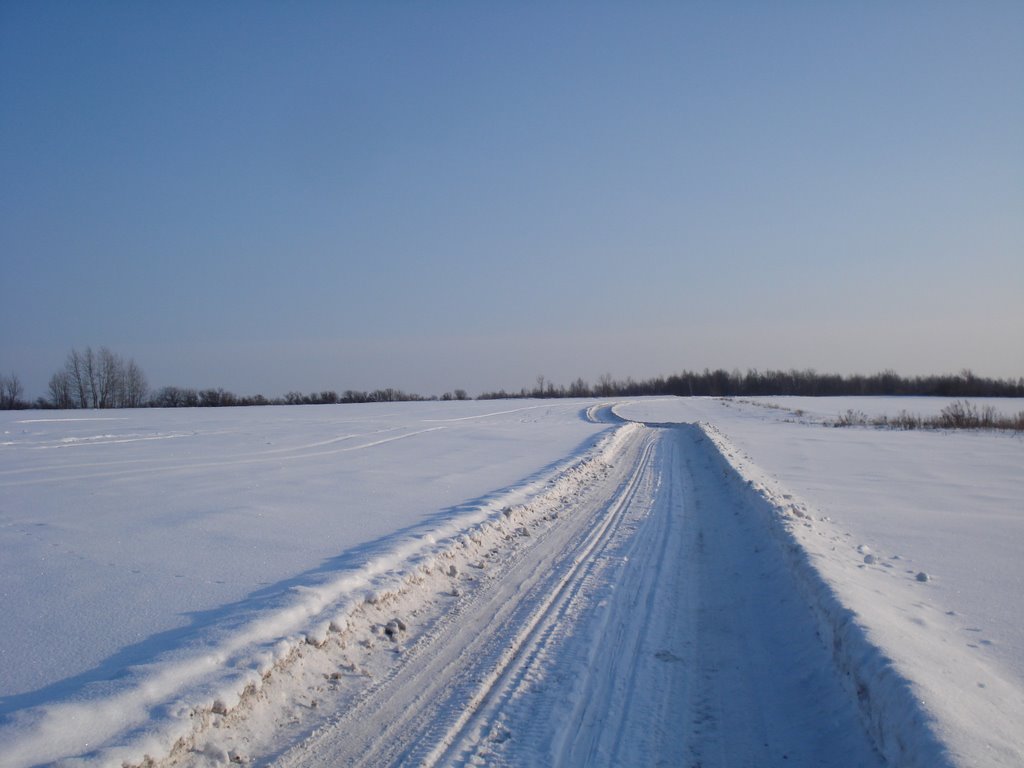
[[676, 581]]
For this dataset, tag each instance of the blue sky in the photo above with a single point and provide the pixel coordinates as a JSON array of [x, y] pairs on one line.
[[272, 196]]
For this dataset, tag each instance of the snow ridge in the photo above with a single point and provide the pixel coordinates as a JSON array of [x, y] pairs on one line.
[[161, 709], [904, 732]]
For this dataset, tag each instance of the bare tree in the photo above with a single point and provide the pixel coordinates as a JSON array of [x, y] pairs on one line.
[[10, 391], [78, 378], [135, 386], [108, 379], [98, 380], [91, 371], [579, 388], [60, 390]]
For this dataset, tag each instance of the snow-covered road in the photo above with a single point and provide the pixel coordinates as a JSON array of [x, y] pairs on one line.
[[654, 623]]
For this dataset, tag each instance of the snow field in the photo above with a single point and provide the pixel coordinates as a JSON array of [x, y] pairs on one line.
[[757, 589], [275, 660]]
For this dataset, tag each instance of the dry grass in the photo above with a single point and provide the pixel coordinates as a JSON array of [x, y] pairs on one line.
[[958, 415]]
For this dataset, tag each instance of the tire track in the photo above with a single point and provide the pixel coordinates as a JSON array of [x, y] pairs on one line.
[[528, 644], [696, 652], [426, 707]]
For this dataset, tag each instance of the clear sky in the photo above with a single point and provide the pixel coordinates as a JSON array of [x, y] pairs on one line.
[[278, 196]]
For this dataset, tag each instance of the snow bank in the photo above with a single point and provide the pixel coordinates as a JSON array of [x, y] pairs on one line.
[[925, 700]]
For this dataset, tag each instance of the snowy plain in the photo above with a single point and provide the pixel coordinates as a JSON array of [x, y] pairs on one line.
[[157, 565]]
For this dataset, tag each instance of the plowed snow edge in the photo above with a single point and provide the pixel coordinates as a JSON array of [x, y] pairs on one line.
[[904, 732]]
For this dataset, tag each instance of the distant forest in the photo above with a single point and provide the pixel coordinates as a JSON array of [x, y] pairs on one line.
[[103, 379], [721, 383]]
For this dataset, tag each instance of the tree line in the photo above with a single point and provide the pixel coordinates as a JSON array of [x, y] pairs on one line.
[[103, 379], [185, 397], [722, 383]]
